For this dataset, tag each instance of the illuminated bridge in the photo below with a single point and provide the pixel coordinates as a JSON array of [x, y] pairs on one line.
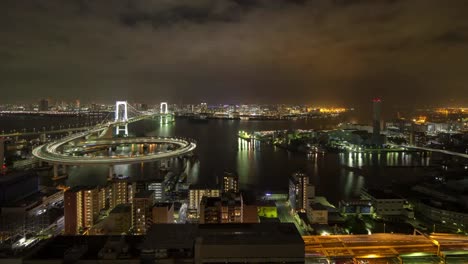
[[101, 136], [51, 154], [387, 248], [448, 152]]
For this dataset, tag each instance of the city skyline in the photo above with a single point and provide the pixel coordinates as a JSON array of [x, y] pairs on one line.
[[301, 52]]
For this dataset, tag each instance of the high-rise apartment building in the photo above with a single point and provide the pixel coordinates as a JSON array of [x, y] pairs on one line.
[[196, 193], [230, 182], [81, 208], [298, 187], [119, 193], [142, 211]]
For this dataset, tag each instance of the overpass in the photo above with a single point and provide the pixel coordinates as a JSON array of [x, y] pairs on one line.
[[52, 152], [384, 246], [448, 152]]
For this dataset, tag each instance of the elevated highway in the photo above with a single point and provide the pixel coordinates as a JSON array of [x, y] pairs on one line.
[[377, 246], [50, 152], [443, 151]]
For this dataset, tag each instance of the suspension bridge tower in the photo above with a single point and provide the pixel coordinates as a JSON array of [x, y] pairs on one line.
[[121, 116]]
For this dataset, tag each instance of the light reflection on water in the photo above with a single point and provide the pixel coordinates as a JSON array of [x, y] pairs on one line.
[[262, 167]]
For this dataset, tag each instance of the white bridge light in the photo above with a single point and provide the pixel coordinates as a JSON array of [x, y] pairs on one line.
[[163, 108]]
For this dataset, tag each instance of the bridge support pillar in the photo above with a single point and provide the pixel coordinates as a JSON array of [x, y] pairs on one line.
[[119, 129], [42, 137], [56, 168]]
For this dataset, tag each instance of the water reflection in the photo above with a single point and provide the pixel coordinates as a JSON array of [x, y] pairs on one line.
[[264, 167]]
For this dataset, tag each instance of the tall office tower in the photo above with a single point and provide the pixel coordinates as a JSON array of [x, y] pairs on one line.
[[376, 119], [44, 105], [118, 193], [142, 211], [298, 187], [82, 207], [230, 182]]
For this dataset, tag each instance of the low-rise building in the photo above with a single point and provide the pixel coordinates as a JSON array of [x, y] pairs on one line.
[[250, 214], [163, 213], [357, 206], [225, 209], [119, 221], [317, 214], [385, 204], [442, 212], [217, 243]]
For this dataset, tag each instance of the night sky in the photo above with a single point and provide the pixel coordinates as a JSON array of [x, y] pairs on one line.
[[410, 52]]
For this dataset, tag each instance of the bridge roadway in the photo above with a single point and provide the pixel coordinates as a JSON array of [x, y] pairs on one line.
[[448, 152], [50, 153], [74, 129], [382, 245]]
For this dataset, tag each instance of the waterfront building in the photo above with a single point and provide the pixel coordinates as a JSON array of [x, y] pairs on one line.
[[141, 211], [222, 210], [317, 213], [298, 187], [163, 213], [448, 213], [230, 182], [385, 204], [355, 207], [81, 208]]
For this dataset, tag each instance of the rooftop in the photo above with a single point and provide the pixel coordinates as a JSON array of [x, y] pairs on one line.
[[16, 176], [144, 194], [121, 208], [88, 247], [204, 187], [381, 194], [168, 205], [183, 236]]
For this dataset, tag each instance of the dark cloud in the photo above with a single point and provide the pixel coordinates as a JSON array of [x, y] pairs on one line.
[[315, 51], [452, 37]]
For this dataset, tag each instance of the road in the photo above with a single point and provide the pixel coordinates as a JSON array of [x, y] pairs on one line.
[[382, 245], [285, 216], [49, 152], [463, 155]]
